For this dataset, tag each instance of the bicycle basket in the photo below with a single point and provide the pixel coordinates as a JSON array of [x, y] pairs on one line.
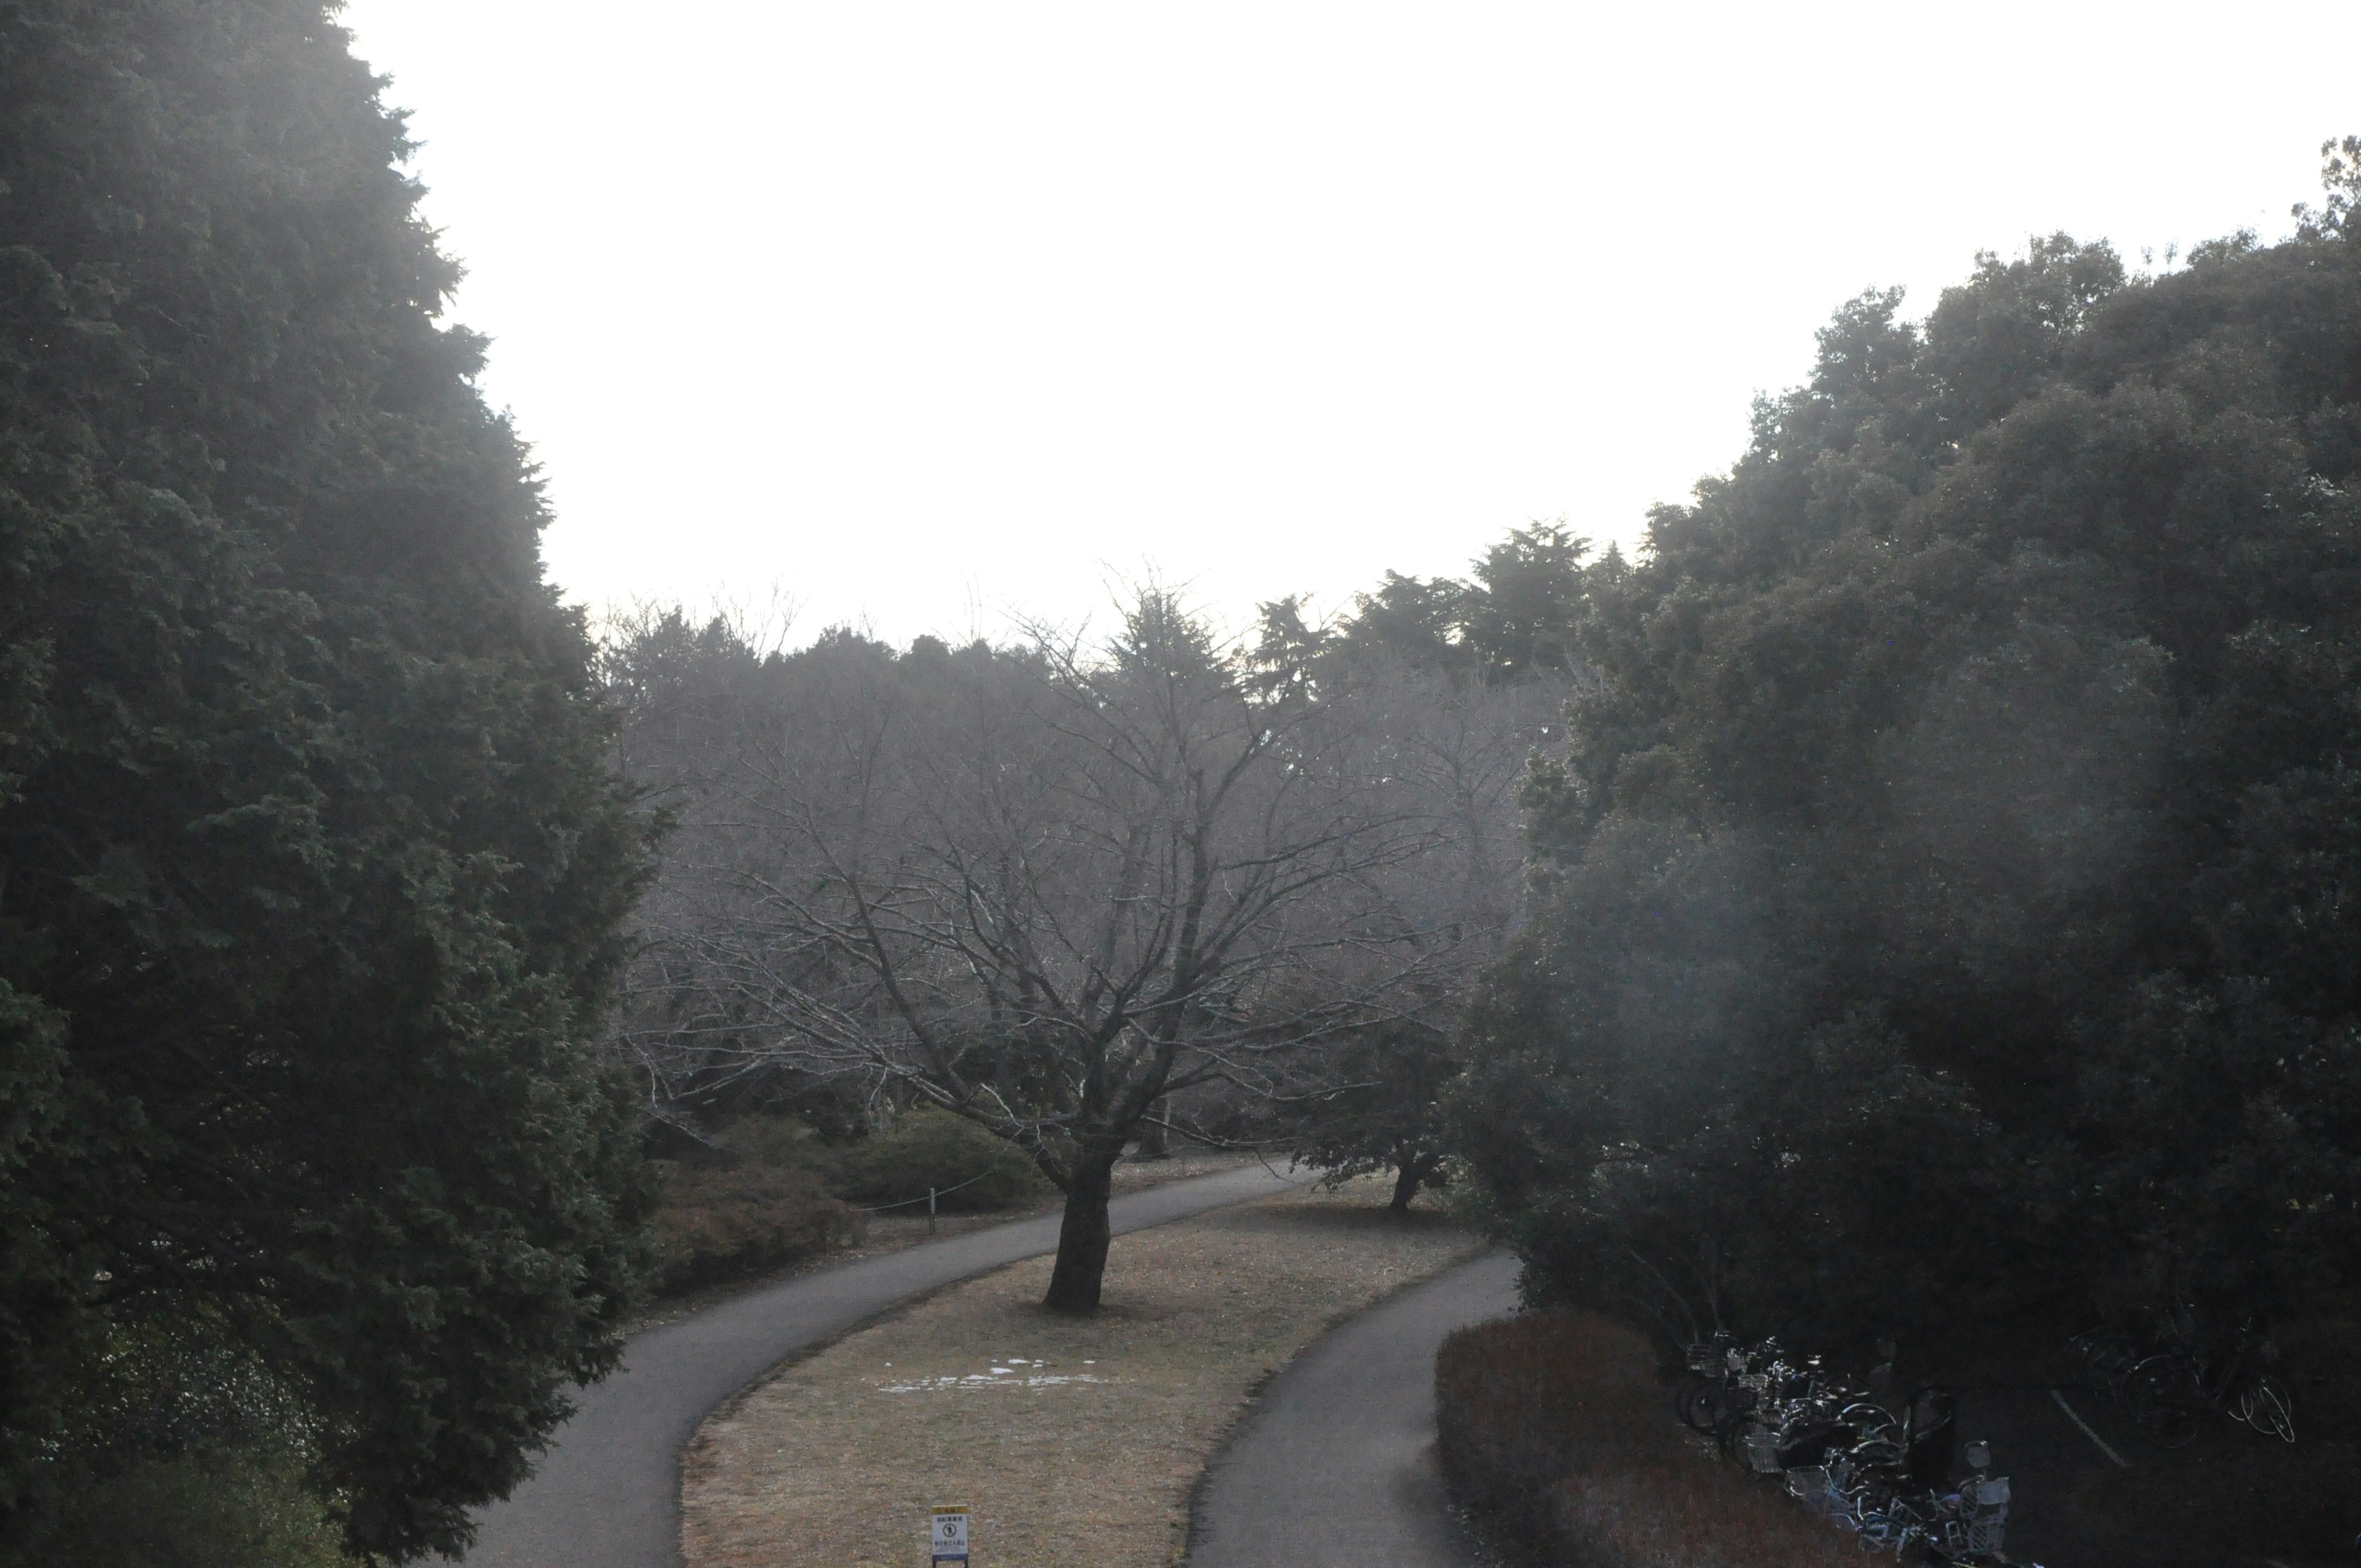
[[1987, 1494], [1808, 1485]]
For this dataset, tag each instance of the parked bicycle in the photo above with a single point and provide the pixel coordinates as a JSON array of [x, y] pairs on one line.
[[2108, 1356], [2170, 1392], [2172, 1382], [1880, 1473]]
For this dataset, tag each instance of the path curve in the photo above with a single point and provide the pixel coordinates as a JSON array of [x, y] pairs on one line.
[[608, 1494], [1335, 1468]]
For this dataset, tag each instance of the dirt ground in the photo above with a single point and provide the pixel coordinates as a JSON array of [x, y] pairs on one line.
[[1074, 1441]]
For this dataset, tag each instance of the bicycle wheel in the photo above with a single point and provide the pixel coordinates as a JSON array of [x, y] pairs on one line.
[[2266, 1405], [2164, 1402], [1865, 1414], [2107, 1359]]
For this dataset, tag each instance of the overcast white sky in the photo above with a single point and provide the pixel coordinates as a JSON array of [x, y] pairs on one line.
[[927, 313]]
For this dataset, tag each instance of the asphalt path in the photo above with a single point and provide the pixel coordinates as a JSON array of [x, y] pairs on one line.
[[608, 1494], [1335, 1468]]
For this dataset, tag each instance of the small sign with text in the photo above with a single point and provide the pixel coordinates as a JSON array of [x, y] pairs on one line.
[[951, 1534]]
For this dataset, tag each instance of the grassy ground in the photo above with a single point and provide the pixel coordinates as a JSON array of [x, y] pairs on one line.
[[1074, 1442]]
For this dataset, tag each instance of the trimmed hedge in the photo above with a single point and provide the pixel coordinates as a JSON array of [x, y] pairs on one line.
[[1556, 1434]]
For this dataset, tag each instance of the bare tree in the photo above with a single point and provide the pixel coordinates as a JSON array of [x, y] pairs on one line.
[[1044, 889]]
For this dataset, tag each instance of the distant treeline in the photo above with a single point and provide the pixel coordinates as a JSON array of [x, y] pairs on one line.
[[1945, 897], [1083, 891]]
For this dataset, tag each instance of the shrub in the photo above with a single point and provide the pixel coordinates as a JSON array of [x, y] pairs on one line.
[[182, 1448], [787, 1142], [928, 1148], [723, 1224], [1554, 1430], [247, 1508]]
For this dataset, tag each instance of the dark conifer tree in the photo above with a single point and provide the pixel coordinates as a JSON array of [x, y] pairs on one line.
[[312, 863]]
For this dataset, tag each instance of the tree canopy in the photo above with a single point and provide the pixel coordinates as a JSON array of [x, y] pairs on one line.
[[1512, 617], [312, 858], [1943, 889]]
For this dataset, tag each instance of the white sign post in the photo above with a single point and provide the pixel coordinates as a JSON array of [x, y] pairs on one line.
[[951, 1534]]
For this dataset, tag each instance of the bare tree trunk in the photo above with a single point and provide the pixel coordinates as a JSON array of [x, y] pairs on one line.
[[1155, 1137], [1084, 1236]]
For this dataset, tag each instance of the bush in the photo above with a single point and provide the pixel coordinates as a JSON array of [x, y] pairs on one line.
[[775, 1192], [249, 1509], [724, 1225], [181, 1448], [926, 1147], [786, 1142], [1554, 1430]]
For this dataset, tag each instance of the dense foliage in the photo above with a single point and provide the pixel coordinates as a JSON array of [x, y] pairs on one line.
[[311, 860], [1944, 900], [1384, 1114]]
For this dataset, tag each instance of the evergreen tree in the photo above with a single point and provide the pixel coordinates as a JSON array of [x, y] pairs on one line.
[[1940, 903], [1387, 1114], [1516, 619], [1523, 612], [312, 862]]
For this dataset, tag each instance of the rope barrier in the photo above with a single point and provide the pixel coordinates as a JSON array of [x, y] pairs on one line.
[[932, 1193]]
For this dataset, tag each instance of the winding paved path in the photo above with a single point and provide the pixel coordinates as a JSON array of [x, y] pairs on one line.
[[608, 1494], [1335, 1468]]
